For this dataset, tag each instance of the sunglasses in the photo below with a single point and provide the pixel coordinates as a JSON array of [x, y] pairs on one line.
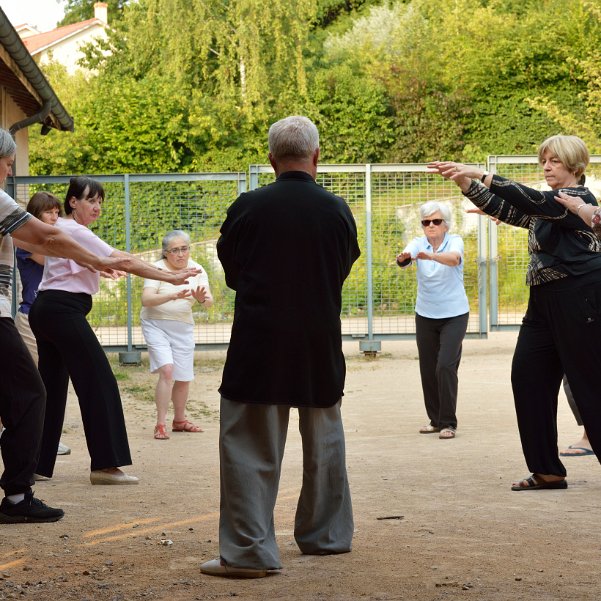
[[427, 222]]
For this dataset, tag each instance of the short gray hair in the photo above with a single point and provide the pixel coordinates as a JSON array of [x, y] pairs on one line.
[[170, 236], [294, 137], [432, 206], [8, 147]]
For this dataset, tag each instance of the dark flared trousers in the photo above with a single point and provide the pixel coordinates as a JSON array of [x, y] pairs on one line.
[[571, 401], [561, 332], [439, 344], [68, 347], [21, 409]]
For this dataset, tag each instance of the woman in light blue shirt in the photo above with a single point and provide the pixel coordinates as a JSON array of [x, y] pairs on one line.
[[441, 314]]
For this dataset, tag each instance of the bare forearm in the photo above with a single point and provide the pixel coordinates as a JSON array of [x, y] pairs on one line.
[[153, 299], [451, 259], [138, 267], [54, 243]]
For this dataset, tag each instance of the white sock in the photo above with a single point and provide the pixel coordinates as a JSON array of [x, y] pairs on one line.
[[14, 499]]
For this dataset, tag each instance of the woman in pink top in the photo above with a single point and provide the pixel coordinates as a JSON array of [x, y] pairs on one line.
[[68, 346]]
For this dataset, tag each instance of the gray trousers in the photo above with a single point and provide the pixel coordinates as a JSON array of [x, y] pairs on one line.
[[251, 447]]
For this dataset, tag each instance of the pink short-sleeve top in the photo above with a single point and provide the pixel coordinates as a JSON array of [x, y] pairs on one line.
[[67, 275]]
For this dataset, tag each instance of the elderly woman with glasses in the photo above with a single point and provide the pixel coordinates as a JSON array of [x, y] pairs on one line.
[[168, 327], [441, 314]]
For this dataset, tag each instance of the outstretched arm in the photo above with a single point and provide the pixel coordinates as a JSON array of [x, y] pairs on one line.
[[465, 177], [43, 239], [450, 259], [525, 200], [136, 266]]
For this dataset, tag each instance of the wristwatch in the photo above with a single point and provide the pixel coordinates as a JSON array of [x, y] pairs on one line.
[[484, 176]]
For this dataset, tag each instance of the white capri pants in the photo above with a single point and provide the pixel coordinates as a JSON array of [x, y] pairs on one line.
[[170, 342]]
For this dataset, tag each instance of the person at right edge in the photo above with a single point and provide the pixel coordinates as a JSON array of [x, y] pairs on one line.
[[561, 330], [286, 250]]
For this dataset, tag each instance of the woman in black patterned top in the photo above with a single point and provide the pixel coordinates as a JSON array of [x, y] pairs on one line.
[[562, 326]]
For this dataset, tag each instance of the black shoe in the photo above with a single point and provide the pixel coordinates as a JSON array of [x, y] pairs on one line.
[[28, 510]]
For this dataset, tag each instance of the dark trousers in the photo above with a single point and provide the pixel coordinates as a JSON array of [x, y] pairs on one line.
[[22, 398], [67, 347], [571, 401], [439, 343], [561, 332]]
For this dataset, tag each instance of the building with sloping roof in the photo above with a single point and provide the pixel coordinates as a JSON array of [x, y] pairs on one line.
[[64, 44], [26, 97]]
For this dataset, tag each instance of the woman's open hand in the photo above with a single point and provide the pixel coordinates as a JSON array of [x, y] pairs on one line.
[[461, 174], [403, 259], [112, 274], [181, 294], [569, 202], [182, 277], [200, 294]]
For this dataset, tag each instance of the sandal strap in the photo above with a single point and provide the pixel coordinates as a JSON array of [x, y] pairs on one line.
[[185, 426], [160, 431]]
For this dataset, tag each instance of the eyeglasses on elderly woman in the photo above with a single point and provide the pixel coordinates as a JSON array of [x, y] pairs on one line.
[[427, 222], [179, 250]]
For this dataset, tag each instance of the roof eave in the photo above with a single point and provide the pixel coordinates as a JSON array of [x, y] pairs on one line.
[[35, 85]]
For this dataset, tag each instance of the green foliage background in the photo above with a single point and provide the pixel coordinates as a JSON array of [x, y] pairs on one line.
[[192, 85]]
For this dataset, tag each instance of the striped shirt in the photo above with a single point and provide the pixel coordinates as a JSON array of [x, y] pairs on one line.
[[560, 244], [12, 217]]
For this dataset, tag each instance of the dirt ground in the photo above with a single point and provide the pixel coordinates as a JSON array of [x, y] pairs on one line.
[[434, 519]]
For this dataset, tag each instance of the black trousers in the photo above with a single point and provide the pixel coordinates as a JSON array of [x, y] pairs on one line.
[[439, 344], [67, 346], [561, 331], [22, 398]]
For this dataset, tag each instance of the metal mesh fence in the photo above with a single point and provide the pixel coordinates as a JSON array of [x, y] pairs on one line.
[[392, 200], [378, 297], [138, 211]]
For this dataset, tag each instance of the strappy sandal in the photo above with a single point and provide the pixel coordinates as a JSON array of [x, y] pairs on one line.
[[185, 426], [534, 483], [160, 432], [447, 433], [429, 429]]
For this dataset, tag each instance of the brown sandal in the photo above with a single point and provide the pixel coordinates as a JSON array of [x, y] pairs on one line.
[[185, 426], [160, 432]]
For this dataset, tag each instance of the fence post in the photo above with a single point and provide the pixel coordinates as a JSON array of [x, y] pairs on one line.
[[254, 177], [483, 229], [370, 346], [129, 357], [241, 183], [493, 262]]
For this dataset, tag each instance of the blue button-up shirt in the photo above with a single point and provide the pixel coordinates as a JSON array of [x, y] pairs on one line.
[[440, 290]]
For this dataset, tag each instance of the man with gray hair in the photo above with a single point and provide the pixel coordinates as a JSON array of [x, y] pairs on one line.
[[286, 250]]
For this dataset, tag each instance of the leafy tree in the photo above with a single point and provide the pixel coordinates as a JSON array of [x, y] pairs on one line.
[[81, 10]]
